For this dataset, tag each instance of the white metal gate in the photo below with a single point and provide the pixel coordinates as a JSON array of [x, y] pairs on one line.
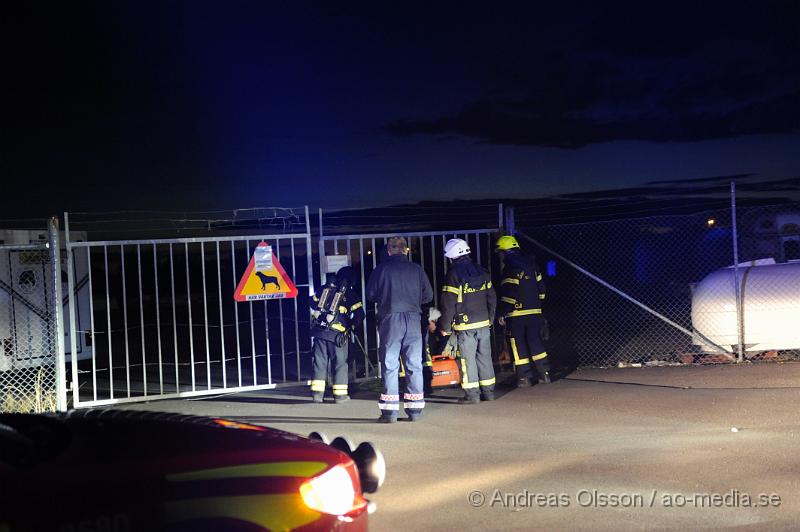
[[162, 321], [364, 251]]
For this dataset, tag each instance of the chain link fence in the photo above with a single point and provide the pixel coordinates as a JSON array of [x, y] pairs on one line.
[[29, 320], [661, 290]]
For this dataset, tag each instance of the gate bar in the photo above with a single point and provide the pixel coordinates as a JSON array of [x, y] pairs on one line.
[[125, 323], [158, 324], [91, 323]]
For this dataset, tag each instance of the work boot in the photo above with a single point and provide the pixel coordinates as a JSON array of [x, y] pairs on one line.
[[469, 400], [523, 382], [545, 378], [341, 398], [316, 397], [415, 416], [387, 419], [487, 397]]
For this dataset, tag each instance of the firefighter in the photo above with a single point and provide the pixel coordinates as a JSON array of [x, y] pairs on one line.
[[468, 308], [338, 310], [520, 311]]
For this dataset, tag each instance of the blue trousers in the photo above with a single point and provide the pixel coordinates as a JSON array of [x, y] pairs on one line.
[[401, 336]]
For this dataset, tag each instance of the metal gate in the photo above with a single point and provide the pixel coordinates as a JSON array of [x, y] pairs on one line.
[[162, 321], [363, 252]]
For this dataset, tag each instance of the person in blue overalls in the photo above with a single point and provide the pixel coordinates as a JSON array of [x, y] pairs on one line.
[[400, 288]]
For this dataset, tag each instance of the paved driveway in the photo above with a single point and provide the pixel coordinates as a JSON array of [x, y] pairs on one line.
[[613, 449]]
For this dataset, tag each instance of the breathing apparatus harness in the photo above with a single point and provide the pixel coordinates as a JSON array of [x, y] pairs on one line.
[[327, 310]]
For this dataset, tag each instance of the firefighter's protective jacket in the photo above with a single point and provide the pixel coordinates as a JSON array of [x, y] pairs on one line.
[[521, 289], [468, 299]]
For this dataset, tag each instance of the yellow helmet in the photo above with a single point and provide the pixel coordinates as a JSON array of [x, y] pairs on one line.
[[506, 243]]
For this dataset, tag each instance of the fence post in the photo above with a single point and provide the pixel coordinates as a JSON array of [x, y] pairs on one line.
[[72, 316], [510, 225], [55, 265], [500, 217], [736, 282], [309, 252], [321, 251]]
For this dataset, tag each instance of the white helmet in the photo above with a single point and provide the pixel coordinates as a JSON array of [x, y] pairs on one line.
[[455, 248]]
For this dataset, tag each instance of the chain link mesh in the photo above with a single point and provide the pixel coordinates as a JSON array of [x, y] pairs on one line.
[[662, 290], [27, 325]]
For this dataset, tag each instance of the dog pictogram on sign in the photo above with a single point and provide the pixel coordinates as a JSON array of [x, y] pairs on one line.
[[264, 278]]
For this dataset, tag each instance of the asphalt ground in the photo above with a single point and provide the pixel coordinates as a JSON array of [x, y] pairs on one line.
[[599, 449]]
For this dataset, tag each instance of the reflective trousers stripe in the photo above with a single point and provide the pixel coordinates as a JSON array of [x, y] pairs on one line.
[[517, 361], [415, 404], [539, 356], [317, 386], [464, 376], [339, 389], [487, 382]]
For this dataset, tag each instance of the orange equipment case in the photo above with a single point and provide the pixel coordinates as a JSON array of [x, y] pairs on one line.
[[446, 372]]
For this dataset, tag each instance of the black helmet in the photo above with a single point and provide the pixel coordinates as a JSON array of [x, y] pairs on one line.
[[346, 276]]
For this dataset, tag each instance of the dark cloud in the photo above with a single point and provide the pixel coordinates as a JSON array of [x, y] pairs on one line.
[[712, 179], [529, 123], [661, 77]]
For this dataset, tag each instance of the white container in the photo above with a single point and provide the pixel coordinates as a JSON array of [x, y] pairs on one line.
[[27, 319], [770, 295]]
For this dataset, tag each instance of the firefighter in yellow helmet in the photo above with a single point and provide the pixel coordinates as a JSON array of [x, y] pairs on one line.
[[520, 311]]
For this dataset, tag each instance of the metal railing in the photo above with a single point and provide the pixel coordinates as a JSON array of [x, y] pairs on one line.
[[363, 252], [162, 322]]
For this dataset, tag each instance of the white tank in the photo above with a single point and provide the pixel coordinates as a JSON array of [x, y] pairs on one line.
[[770, 295]]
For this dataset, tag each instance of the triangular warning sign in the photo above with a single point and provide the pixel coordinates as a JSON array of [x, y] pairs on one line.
[[264, 278]]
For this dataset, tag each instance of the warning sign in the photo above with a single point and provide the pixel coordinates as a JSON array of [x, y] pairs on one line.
[[264, 278]]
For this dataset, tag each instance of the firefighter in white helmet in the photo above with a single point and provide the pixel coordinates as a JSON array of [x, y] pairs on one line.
[[468, 308]]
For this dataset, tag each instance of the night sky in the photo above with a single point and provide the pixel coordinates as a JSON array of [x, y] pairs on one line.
[[205, 105]]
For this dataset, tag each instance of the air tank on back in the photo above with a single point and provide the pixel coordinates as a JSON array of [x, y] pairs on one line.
[[770, 299]]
